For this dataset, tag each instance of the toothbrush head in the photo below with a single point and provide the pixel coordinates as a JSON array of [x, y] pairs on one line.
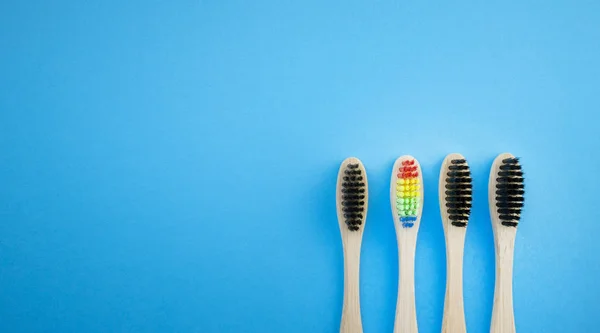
[[406, 192], [352, 195], [507, 190], [455, 190]]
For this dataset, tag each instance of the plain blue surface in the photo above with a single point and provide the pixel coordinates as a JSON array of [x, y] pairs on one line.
[[170, 166]]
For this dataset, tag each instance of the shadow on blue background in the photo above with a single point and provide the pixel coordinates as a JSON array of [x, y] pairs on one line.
[[170, 166]]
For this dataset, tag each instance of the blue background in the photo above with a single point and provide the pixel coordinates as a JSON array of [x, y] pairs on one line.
[[170, 166]]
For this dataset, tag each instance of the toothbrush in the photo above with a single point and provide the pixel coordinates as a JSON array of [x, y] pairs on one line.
[[406, 196], [506, 190], [351, 202], [455, 193]]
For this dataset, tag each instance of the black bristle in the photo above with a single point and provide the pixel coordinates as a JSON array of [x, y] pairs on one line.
[[458, 205], [510, 167], [509, 217], [510, 189], [457, 166], [353, 183], [455, 174], [353, 172], [503, 204], [510, 173], [459, 193], [513, 160], [460, 217], [457, 211], [509, 223], [509, 186], [509, 198], [512, 180], [509, 210], [458, 186], [353, 195], [458, 224], [353, 216], [503, 192]]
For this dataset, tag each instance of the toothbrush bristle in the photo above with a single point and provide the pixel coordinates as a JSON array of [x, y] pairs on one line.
[[353, 197], [510, 189], [408, 192], [458, 192]]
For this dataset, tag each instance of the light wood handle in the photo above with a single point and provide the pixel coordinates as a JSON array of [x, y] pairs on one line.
[[351, 320], [503, 318], [454, 315], [406, 314]]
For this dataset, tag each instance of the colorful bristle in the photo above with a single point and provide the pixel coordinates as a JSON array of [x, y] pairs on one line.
[[458, 192], [510, 189], [353, 197], [408, 192]]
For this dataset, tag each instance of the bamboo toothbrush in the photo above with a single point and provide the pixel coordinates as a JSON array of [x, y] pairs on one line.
[[406, 196], [352, 203], [455, 193], [506, 190]]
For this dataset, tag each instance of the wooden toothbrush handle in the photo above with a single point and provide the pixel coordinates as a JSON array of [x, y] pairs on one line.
[[454, 314], [406, 314], [351, 320], [503, 317]]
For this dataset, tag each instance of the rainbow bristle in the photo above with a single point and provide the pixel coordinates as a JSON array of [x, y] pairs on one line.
[[408, 189]]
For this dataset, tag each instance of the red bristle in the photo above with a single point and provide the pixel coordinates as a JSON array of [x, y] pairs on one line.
[[412, 162], [416, 174]]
